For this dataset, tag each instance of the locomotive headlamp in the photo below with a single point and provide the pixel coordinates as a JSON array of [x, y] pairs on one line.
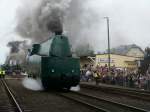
[[2, 72], [53, 70], [72, 71]]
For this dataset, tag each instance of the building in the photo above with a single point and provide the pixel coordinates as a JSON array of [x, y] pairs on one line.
[[87, 60], [16, 58], [18, 52], [135, 52], [124, 56], [128, 50], [120, 61]]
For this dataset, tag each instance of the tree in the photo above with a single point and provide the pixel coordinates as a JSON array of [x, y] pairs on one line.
[[147, 52], [145, 62]]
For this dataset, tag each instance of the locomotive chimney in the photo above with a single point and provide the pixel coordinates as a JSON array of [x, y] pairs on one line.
[[58, 32]]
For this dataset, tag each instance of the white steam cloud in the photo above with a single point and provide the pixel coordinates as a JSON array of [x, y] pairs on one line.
[[32, 84], [77, 88]]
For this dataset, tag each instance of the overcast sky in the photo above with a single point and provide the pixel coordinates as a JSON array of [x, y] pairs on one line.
[[129, 23], [7, 24]]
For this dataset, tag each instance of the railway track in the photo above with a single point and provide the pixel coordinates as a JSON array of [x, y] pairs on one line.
[[8, 103], [100, 104], [133, 93], [87, 104]]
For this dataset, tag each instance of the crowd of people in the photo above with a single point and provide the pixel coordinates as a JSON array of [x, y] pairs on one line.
[[115, 76]]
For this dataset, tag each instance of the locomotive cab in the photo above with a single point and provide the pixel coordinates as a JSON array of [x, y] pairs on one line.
[[35, 49]]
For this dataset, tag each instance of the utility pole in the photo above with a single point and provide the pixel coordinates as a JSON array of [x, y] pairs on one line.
[[107, 18]]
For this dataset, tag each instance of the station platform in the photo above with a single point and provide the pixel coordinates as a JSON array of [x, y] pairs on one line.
[[14, 76], [92, 83]]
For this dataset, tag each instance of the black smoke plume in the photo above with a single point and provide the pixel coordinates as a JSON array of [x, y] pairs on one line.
[[14, 46], [42, 18]]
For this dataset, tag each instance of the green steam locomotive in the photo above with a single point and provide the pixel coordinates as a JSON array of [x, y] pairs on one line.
[[53, 63]]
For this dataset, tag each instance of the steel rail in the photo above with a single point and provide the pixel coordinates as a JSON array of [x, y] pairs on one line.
[[84, 103], [118, 87], [18, 108], [112, 102], [144, 95]]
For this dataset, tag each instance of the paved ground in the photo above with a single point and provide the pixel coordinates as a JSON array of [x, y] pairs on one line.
[[107, 85], [41, 101]]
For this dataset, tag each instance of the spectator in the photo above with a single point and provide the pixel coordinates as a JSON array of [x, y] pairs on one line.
[[96, 77]]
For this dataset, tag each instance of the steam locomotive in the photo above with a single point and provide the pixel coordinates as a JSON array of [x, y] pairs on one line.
[[53, 63]]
